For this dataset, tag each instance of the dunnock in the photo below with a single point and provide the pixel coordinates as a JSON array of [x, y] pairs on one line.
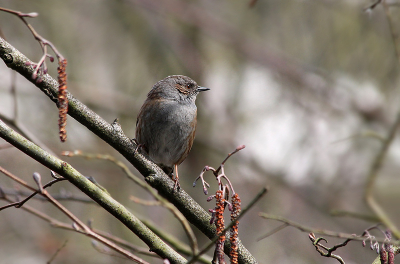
[[166, 123]]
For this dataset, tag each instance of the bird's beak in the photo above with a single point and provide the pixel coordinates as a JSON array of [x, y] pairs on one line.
[[202, 89]]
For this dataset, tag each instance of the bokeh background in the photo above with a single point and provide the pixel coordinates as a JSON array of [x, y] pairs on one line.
[[309, 86]]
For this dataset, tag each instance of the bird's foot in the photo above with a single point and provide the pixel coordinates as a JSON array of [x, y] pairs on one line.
[[138, 145], [177, 186]]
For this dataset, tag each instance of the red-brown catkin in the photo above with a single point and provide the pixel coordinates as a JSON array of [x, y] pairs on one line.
[[383, 254], [62, 99], [220, 224], [234, 230], [391, 254]]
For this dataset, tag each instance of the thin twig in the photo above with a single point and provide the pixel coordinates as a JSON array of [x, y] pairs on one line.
[[219, 175], [62, 195], [16, 179], [25, 184], [40, 69], [42, 41], [58, 251], [229, 155], [144, 202], [365, 217], [324, 232], [328, 253], [273, 231]]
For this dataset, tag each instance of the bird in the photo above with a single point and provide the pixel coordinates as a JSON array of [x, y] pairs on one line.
[[167, 121]]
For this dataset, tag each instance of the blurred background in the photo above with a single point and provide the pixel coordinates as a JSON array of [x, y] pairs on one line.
[[309, 86]]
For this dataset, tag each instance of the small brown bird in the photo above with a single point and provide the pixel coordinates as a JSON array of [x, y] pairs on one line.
[[166, 123]]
